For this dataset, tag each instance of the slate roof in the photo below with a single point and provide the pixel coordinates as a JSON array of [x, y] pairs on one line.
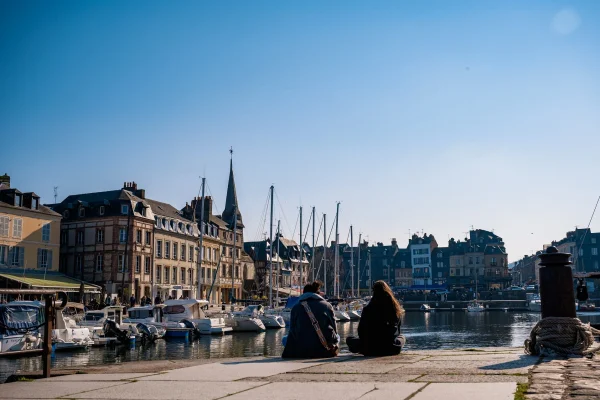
[[165, 210], [231, 200], [42, 209]]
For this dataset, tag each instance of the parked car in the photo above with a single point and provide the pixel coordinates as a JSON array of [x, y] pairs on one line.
[[515, 288]]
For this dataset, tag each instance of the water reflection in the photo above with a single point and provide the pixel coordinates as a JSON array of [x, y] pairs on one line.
[[423, 331]]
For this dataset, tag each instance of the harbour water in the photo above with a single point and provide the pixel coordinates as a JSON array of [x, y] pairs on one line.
[[436, 330]]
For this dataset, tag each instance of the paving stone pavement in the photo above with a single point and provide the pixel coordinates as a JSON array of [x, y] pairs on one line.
[[490, 374], [560, 378]]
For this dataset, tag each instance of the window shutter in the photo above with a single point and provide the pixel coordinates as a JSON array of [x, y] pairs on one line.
[[39, 262], [49, 262], [21, 256]]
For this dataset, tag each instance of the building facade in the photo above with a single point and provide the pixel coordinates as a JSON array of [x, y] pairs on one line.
[[421, 249], [29, 232], [481, 260], [99, 239], [175, 254]]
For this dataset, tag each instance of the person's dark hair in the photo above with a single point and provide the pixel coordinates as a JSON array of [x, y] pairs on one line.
[[384, 297], [317, 286], [308, 288]]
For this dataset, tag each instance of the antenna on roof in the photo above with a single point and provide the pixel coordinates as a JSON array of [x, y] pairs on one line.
[[55, 193]]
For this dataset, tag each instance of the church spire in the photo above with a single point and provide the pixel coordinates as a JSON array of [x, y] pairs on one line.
[[231, 202]]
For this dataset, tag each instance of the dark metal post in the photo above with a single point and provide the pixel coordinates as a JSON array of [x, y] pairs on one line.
[[556, 285], [47, 349]]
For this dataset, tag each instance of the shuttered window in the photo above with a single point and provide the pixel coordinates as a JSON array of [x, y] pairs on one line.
[[4, 226], [44, 258], [16, 255], [17, 227]]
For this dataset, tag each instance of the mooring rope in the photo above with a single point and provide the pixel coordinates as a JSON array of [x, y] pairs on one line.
[[562, 336]]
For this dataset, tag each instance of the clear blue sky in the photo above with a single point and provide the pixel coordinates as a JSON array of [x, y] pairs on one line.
[[433, 115]]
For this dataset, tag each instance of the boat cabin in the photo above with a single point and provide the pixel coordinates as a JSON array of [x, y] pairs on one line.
[[147, 313], [176, 310], [97, 317]]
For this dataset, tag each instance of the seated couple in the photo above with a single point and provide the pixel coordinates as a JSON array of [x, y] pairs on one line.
[[313, 332]]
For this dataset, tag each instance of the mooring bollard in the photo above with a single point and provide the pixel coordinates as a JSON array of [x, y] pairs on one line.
[[556, 285]]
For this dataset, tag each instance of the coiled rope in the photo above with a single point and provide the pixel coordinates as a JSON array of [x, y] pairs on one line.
[[562, 336]]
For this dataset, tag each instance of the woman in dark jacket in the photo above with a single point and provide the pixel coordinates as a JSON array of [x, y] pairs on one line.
[[379, 326], [303, 341]]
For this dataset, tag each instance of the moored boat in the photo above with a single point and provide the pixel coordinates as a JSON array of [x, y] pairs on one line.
[[475, 306], [20, 328], [191, 310]]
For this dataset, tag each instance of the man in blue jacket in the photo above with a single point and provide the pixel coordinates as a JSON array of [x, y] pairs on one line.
[[313, 333]]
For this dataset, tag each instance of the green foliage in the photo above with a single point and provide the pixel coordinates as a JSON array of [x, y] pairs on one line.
[[521, 389]]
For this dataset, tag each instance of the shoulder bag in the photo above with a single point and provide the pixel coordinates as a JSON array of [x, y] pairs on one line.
[[332, 349]]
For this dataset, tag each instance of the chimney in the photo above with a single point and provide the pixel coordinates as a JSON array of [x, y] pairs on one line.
[[197, 204], [5, 180], [394, 242], [131, 186]]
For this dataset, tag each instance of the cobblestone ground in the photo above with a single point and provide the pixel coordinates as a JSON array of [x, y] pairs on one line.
[[565, 379]]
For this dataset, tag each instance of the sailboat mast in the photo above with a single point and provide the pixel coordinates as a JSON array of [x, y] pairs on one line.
[[312, 259], [351, 262], [370, 275], [336, 267], [200, 242], [358, 267], [301, 251], [234, 253], [325, 253], [278, 266], [271, 252]]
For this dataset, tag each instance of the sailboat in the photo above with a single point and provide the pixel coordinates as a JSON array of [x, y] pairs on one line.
[[475, 306]]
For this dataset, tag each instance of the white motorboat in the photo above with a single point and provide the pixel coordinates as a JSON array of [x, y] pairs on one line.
[[20, 327], [191, 310], [341, 316], [284, 313], [353, 310], [243, 323], [475, 306], [66, 335], [425, 308], [270, 321], [154, 316], [535, 303], [97, 320]]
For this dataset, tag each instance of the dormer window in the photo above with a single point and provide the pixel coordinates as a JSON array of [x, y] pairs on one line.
[[165, 225], [173, 226], [18, 200], [101, 210], [35, 203], [124, 209], [157, 222], [82, 212]]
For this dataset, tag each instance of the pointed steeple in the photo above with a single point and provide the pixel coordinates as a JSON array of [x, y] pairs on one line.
[[231, 202]]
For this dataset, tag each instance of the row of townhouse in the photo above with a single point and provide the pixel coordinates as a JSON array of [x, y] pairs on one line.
[[126, 243], [480, 259], [290, 266], [582, 244]]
